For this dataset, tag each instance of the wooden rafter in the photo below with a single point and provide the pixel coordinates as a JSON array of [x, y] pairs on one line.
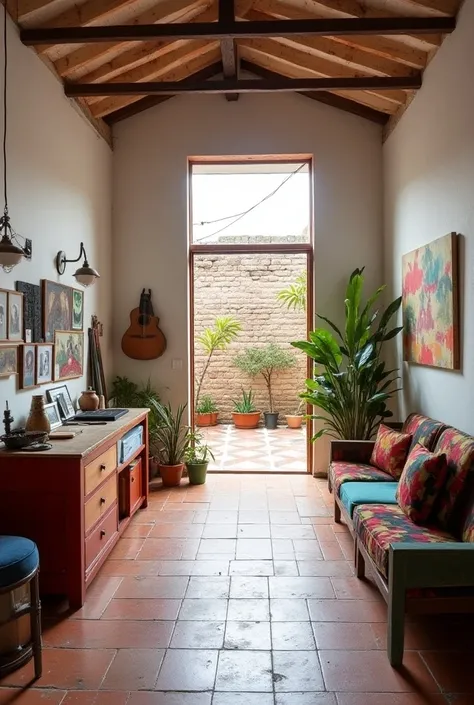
[[230, 62], [274, 28]]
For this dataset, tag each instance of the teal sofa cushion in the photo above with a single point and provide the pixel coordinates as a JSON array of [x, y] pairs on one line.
[[354, 493]]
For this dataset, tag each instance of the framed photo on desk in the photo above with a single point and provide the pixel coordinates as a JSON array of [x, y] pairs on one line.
[[62, 397]]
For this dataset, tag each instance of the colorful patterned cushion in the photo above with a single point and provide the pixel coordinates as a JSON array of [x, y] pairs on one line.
[[390, 450], [423, 430], [379, 525], [459, 450], [421, 481], [340, 472]]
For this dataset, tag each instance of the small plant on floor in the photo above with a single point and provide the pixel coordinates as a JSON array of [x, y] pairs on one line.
[[295, 419], [197, 457], [245, 414], [206, 405], [173, 437], [352, 386], [294, 296], [268, 362]]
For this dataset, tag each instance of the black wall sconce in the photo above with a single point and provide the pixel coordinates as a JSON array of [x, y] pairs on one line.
[[85, 275]]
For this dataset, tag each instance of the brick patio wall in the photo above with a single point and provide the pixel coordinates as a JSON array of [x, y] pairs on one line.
[[245, 286]]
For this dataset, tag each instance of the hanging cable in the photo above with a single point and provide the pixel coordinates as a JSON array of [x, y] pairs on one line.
[[239, 216], [5, 66]]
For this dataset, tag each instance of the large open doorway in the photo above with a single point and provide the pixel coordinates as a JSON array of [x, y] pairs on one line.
[[251, 295]]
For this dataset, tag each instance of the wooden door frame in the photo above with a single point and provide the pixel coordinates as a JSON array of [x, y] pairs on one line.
[[271, 248]]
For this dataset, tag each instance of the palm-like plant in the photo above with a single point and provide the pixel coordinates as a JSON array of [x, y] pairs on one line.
[[219, 337], [352, 385], [294, 296], [172, 435]]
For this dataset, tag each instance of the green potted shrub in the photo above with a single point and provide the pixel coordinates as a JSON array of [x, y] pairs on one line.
[[206, 411], [245, 413], [172, 441], [212, 339], [197, 456], [351, 385], [295, 420], [267, 361]]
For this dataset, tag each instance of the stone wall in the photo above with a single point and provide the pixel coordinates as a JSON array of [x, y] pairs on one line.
[[245, 286]]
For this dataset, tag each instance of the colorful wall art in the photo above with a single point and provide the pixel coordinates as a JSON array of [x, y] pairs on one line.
[[430, 304]]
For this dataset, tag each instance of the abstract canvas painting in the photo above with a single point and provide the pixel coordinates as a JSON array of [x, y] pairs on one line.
[[430, 304]]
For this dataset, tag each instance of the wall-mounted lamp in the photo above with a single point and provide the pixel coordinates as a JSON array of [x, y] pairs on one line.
[[85, 275]]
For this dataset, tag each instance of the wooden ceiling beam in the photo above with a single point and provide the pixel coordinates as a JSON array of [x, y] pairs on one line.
[[280, 84], [235, 30], [230, 61], [327, 98], [445, 7]]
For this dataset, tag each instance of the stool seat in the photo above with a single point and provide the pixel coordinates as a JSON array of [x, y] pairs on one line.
[[18, 559]]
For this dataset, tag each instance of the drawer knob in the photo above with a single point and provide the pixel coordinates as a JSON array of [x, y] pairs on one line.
[[102, 500], [102, 534], [103, 466], [132, 479]]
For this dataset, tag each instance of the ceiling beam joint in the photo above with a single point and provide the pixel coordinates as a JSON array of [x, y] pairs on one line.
[[230, 61]]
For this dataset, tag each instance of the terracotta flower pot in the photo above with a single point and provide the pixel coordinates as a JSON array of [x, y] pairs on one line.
[[202, 419], [214, 415], [171, 474], [294, 420], [246, 420]]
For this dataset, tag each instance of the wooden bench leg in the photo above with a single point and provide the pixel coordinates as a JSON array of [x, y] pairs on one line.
[[337, 513], [35, 616], [396, 620], [359, 561]]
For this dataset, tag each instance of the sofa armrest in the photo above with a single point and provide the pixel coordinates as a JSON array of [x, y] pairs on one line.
[[351, 451], [433, 564]]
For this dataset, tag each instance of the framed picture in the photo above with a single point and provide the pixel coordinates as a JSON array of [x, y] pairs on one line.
[[44, 363], [430, 304], [57, 309], [27, 366], [52, 412], [15, 316], [3, 314], [8, 360], [77, 309], [62, 397], [68, 354], [31, 311]]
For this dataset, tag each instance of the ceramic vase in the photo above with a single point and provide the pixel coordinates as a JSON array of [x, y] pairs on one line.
[[88, 401], [37, 419]]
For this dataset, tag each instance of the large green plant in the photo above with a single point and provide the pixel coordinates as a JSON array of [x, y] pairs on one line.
[[351, 384], [172, 434], [294, 295], [266, 361], [218, 337]]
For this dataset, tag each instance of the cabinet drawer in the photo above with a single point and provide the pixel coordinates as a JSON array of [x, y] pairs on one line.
[[135, 484], [99, 539], [100, 502], [97, 470]]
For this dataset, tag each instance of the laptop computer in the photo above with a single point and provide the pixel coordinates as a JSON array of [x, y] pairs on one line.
[[100, 415]]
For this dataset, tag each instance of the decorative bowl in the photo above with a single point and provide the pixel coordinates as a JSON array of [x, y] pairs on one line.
[[22, 439]]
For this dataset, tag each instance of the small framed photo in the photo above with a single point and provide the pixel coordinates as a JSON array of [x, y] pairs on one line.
[[27, 366], [44, 363], [68, 354], [62, 397], [3, 315], [77, 309], [8, 360], [15, 316], [54, 417]]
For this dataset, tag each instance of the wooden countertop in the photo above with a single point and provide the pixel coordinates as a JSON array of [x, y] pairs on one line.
[[87, 438]]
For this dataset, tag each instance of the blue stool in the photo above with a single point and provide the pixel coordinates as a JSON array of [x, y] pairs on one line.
[[19, 565]]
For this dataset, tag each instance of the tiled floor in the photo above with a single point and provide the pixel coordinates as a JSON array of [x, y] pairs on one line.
[[256, 450], [241, 592]]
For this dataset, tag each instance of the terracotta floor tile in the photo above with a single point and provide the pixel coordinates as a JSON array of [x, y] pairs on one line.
[[331, 551], [220, 567], [169, 549], [95, 697], [253, 516], [161, 586], [283, 549], [67, 669], [323, 568], [250, 549], [122, 567], [291, 531], [219, 531], [248, 635], [453, 670], [170, 699], [208, 587], [134, 609], [355, 589], [282, 517], [340, 635], [15, 696], [371, 672], [188, 670], [297, 669], [127, 549], [281, 587], [293, 610], [347, 611], [292, 636], [198, 635], [98, 597], [393, 699], [201, 609], [134, 669], [243, 586], [253, 531], [287, 568], [248, 610], [243, 699], [244, 670], [263, 567], [170, 517], [101, 634], [181, 531], [305, 699], [222, 517], [307, 549], [214, 547], [137, 530]]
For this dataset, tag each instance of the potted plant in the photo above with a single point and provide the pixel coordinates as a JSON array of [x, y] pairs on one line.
[[128, 394], [206, 411], [172, 441], [197, 457], [267, 361], [351, 384], [245, 414], [295, 420], [217, 337]]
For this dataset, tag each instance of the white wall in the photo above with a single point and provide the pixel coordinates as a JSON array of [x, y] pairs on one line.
[[429, 192], [59, 179], [150, 203]]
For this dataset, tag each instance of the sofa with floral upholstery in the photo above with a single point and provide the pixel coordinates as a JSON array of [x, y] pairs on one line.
[[425, 563]]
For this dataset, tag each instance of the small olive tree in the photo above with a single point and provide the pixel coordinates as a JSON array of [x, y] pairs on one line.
[[266, 361]]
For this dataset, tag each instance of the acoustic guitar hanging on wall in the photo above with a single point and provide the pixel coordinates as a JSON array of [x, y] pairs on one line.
[[143, 339]]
